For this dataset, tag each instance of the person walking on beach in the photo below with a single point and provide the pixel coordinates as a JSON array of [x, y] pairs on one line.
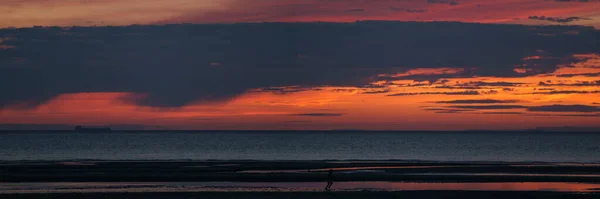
[[329, 180]]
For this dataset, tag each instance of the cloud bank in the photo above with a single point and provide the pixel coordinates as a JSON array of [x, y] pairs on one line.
[[176, 65]]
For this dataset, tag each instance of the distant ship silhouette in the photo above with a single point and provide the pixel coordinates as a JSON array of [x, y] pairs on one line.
[[82, 129]]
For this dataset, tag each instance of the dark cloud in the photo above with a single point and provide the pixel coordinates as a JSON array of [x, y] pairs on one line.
[[437, 93], [462, 87], [489, 107], [480, 83], [564, 92], [175, 65], [577, 83], [453, 111], [416, 10], [355, 10], [435, 109], [447, 110], [429, 78], [449, 2], [286, 90], [581, 1], [557, 108], [544, 89], [377, 91], [582, 115], [319, 114], [502, 113], [374, 86], [408, 10], [478, 101], [558, 19], [474, 85], [297, 121], [344, 90], [565, 108], [580, 74], [478, 109], [412, 85]]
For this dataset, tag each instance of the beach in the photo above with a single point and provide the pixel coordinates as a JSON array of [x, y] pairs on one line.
[[295, 179], [294, 171], [297, 165]]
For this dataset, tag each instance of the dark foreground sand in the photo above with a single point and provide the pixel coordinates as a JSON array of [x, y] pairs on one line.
[[313, 195], [23, 172], [293, 171]]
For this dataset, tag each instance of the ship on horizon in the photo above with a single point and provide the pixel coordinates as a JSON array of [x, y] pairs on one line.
[[81, 129]]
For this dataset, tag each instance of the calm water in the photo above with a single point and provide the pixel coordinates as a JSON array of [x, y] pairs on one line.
[[497, 146]]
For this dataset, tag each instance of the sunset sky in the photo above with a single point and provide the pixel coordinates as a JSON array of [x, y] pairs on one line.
[[349, 64]]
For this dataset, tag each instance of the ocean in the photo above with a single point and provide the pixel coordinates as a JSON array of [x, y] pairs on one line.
[[303, 145]]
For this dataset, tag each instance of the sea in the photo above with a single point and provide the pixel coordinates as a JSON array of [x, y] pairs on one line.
[[573, 147]]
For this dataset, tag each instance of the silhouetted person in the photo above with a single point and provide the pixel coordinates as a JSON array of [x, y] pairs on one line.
[[329, 180]]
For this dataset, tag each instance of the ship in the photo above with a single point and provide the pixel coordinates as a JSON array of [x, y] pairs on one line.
[[81, 129]]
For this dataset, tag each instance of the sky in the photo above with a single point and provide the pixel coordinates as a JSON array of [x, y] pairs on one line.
[[300, 65]]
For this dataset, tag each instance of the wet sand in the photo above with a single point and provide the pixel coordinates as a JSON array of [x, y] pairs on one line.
[[357, 186], [296, 179], [312, 195], [293, 171]]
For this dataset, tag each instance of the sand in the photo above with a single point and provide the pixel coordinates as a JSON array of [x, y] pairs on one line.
[[88, 171], [293, 171]]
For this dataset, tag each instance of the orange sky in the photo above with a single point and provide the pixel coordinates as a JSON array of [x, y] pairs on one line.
[[26, 13]]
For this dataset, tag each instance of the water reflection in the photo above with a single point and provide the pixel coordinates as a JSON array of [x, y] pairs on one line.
[[508, 174], [342, 169], [518, 186], [288, 187]]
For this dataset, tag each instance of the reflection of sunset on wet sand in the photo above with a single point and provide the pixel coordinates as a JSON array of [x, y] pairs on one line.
[[291, 187], [519, 186]]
